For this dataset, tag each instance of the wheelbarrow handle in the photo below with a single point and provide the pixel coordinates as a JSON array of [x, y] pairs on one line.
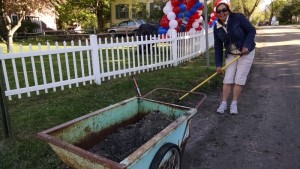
[[210, 77]]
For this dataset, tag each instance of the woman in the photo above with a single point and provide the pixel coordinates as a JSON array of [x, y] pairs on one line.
[[234, 32]]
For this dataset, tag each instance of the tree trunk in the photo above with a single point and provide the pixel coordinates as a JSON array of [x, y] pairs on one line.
[[11, 30], [100, 14]]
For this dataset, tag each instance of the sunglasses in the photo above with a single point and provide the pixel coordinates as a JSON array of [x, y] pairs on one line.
[[222, 10]]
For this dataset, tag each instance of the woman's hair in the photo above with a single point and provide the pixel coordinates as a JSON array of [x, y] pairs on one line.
[[227, 6]]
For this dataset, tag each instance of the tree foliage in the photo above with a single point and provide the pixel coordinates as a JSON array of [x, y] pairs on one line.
[[289, 10], [247, 7], [21, 8], [87, 13]]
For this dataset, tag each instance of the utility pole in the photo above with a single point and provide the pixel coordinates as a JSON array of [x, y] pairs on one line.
[[206, 34]]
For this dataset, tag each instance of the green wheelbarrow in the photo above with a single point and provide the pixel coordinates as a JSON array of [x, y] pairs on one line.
[[72, 140]]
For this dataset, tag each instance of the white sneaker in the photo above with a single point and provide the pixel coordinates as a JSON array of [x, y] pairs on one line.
[[222, 108], [233, 108]]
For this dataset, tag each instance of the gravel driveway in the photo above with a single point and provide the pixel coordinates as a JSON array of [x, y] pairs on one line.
[[266, 132]]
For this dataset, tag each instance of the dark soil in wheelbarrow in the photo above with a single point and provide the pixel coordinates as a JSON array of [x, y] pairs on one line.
[[126, 140]]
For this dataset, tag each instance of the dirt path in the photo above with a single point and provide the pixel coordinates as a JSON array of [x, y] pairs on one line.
[[266, 133]]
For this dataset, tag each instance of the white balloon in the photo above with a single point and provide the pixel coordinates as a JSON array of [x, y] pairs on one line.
[[199, 20], [169, 4], [192, 31], [212, 14], [171, 15], [173, 24], [200, 12], [215, 9], [171, 32], [195, 25], [167, 9]]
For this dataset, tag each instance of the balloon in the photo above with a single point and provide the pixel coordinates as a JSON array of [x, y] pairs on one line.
[[195, 25], [171, 32], [213, 18], [201, 8], [188, 14], [192, 31], [180, 15], [189, 6], [182, 7], [199, 28], [200, 12], [193, 10], [179, 20], [197, 15], [173, 24], [176, 10], [198, 4], [175, 2], [191, 19], [171, 15], [167, 9], [169, 4], [162, 30], [200, 19], [164, 22]]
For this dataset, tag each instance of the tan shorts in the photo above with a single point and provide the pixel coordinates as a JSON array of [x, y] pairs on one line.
[[238, 71]]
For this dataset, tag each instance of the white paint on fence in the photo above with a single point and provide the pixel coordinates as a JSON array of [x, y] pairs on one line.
[[96, 61]]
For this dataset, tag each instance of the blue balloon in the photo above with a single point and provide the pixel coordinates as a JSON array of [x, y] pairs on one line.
[[180, 15], [188, 14], [162, 30], [193, 10], [198, 4], [182, 7]]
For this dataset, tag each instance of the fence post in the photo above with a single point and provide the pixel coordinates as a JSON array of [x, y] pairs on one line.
[[95, 59], [174, 47], [3, 105]]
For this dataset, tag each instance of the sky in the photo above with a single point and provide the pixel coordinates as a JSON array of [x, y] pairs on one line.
[[264, 4]]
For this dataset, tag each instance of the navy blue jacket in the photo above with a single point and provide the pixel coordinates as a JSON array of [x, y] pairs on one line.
[[240, 32]]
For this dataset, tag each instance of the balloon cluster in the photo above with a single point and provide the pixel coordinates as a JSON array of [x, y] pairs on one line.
[[193, 16], [173, 11], [214, 16]]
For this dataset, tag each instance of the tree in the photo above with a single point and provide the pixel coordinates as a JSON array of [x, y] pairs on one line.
[[275, 7], [21, 8], [288, 10], [70, 12], [84, 10], [247, 7]]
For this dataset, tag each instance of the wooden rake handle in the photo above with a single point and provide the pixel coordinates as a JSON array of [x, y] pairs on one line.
[[210, 77]]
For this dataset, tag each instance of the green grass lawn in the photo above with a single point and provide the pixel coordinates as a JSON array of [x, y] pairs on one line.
[[30, 115]]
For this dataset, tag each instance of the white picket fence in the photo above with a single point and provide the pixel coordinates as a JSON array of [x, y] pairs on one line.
[[97, 60]]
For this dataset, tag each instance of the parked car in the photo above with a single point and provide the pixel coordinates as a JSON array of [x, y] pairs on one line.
[[128, 27]]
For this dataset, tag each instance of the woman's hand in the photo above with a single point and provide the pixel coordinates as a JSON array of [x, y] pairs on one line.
[[219, 70], [245, 51]]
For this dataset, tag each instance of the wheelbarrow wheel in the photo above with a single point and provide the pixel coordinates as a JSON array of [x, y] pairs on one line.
[[167, 157]]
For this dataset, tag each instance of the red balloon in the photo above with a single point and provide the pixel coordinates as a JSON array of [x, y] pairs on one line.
[[189, 6], [191, 19], [213, 18], [197, 15], [188, 25], [176, 10], [175, 3], [210, 22], [164, 22], [201, 8], [179, 20], [199, 28]]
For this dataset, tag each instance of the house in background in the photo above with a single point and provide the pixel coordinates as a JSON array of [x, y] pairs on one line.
[[128, 9], [45, 20]]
